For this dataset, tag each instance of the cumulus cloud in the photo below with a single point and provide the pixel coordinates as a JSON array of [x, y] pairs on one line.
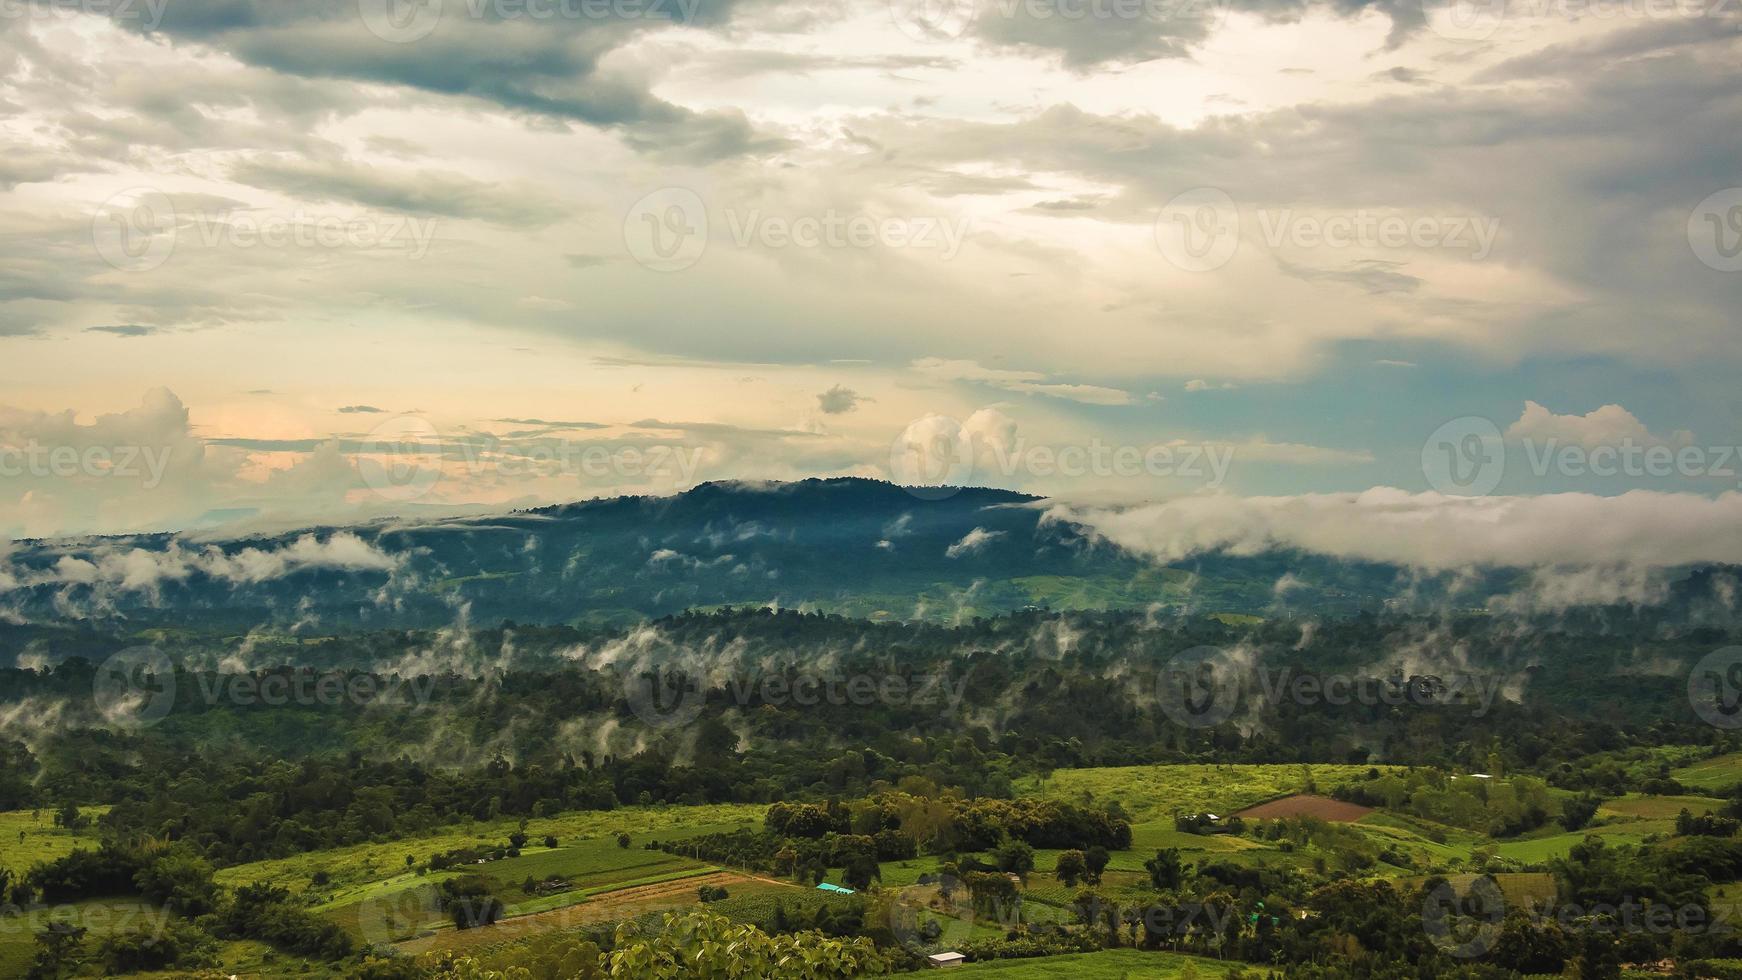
[[1610, 425]]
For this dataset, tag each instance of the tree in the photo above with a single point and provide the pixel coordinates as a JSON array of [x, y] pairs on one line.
[[58, 948], [1096, 858], [1166, 871], [860, 868], [69, 817], [1014, 857], [622, 840], [181, 881], [470, 902], [549, 840], [1578, 811], [1071, 868]]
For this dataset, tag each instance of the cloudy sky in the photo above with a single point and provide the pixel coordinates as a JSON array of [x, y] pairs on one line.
[[325, 259]]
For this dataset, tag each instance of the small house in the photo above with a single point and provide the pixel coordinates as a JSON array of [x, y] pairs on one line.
[[946, 959]]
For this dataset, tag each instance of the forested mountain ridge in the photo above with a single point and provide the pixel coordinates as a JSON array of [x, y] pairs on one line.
[[856, 547]]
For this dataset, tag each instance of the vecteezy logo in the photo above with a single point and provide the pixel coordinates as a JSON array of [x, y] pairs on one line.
[[386, 919], [401, 459], [1464, 926], [1715, 230], [135, 688], [400, 21], [134, 230], [667, 230], [1466, 457], [933, 457], [1715, 688], [1199, 688], [932, 20], [1464, 20], [664, 698], [1199, 230]]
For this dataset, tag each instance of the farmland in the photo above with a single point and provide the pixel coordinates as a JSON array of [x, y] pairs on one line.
[[1717, 774], [1153, 792], [1306, 805]]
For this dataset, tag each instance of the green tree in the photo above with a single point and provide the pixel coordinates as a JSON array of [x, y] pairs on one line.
[[1014, 857], [700, 945], [1097, 858], [1166, 870], [1071, 868]]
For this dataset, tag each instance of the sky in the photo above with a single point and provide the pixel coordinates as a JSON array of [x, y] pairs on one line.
[[1467, 264]]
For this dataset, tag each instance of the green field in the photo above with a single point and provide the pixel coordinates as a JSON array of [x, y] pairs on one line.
[[1539, 849], [354, 870], [101, 917], [1716, 774], [29, 837], [1150, 793], [1633, 806]]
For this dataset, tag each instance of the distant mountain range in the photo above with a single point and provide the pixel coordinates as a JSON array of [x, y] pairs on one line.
[[857, 547]]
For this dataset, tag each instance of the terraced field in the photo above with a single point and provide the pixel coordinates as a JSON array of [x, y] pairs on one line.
[[353, 872], [603, 909]]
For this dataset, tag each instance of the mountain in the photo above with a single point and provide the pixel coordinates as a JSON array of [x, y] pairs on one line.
[[857, 547]]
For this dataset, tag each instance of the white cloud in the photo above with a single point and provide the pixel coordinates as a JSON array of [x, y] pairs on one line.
[[129, 568], [1610, 425], [972, 542], [1436, 532], [1025, 382]]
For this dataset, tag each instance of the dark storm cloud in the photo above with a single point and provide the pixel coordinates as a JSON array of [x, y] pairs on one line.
[[539, 66]]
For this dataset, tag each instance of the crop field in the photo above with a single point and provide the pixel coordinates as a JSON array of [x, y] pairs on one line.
[[1520, 890], [1157, 792], [1306, 805], [600, 910]]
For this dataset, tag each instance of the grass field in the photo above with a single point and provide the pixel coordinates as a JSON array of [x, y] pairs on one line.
[[1539, 849], [1636, 807], [1716, 774], [30, 837], [1156, 792], [101, 917], [357, 869]]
